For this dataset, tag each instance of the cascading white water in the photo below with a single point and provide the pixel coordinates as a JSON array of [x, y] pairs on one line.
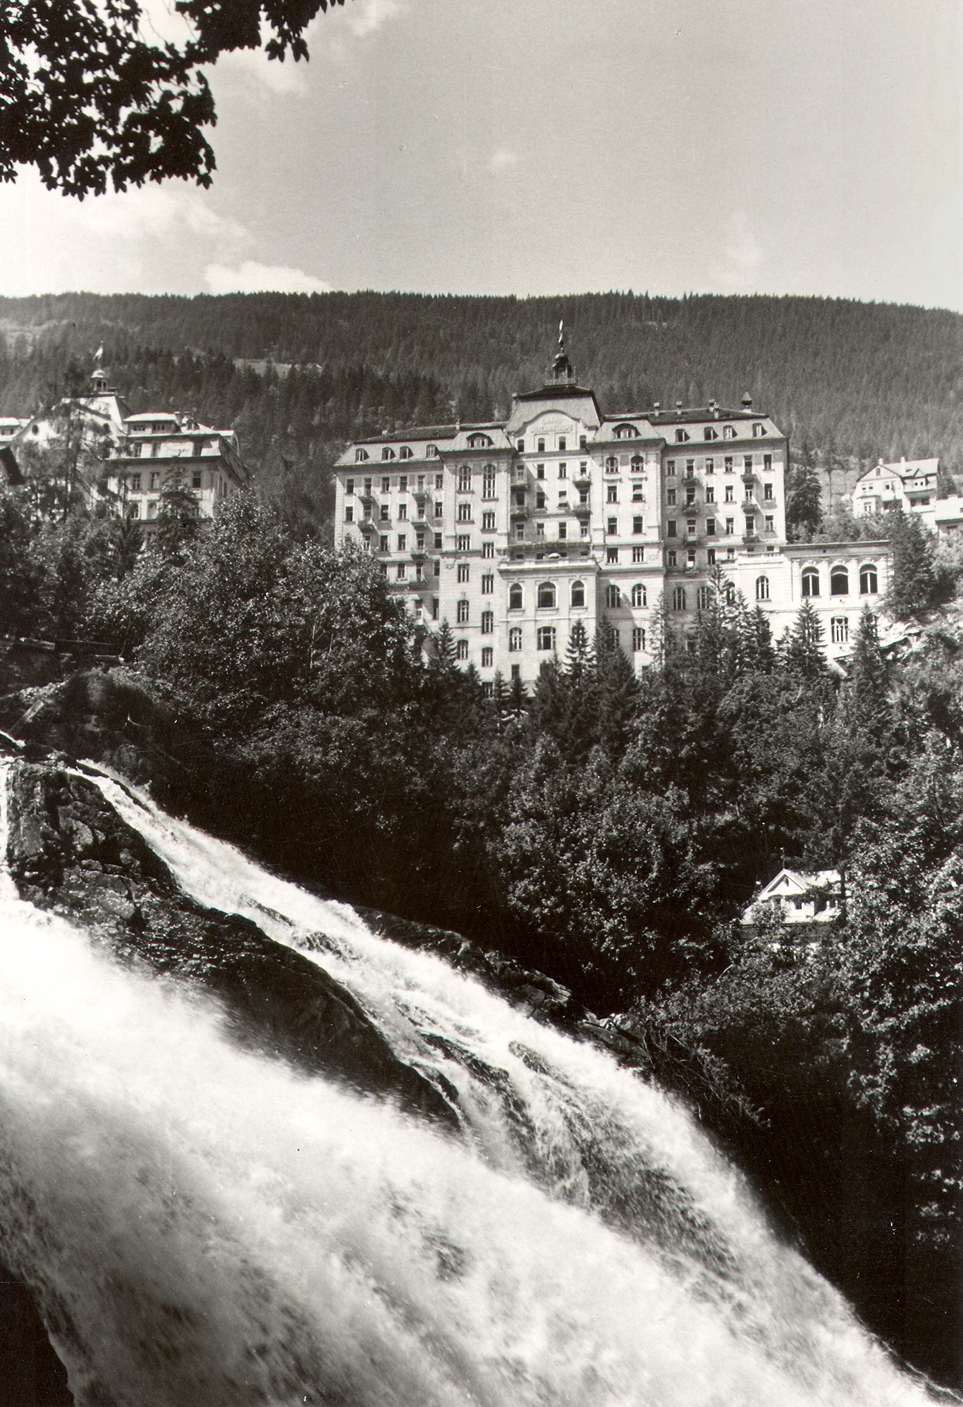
[[204, 1227]]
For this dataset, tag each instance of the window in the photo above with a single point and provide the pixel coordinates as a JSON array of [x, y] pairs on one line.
[[439, 481], [691, 557], [612, 597], [710, 466], [520, 533], [404, 452], [611, 555], [710, 493], [839, 630], [612, 527], [678, 599], [839, 582], [638, 554], [671, 529], [562, 442], [540, 531], [638, 595], [711, 556], [562, 531], [515, 598], [348, 486], [464, 479], [546, 637], [762, 588], [747, 464], [611, 465], [758, 431], [403, 483], [578, 593], [728, 464], [384, 542], [155, 481], [488, 656], [546, 594], [520, 446], [613, 493], [515, 639], [681, 437], [767, 491], [463, 571], [730, 526], [730, 494], [540, 446], [349, 515], [488, 549], [710, 527], [540, 498], [438, 541], [517, 671], [402, 542], [461, 612], [704, 597], [439, 509], [420, 542], [479, 441], [487, 622], [487, 584], [133, 510], [462, 543], [196, 479], [638, 638], [670, 468], [638, 464], [461, 650], [638, 493], [729, 432], [360, 456], [387, 453], [670, 558], [488, 481], [670, 497], [767, 462], [810, 582], [868, 581], [385, 485], [710, 434], [638, 525], [689, 468], [562, 471], [626, 432], [402, 571], [770, 523], [384, 513], [690, 524], [689, 497], [464, 512], [403, 511]]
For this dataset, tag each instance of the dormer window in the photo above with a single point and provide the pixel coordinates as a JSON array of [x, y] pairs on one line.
[[728, 432], [710, 434], [360, 455], [387, 453], [404, 452], [758, 431], [626, 432], [431, 451], [479, 441], [681, 436]]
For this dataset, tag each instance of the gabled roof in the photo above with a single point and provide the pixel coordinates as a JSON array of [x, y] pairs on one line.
[[796, 883]]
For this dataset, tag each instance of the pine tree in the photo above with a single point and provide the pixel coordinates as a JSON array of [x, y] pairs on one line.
[[804, 654], [178, 516], [869, 678]]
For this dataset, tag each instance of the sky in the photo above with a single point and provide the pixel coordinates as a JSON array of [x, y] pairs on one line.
[[552, 146]]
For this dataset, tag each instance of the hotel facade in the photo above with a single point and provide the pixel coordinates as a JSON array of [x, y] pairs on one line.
[[511, 531]]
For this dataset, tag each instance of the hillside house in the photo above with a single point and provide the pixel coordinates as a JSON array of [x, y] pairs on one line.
[[798, 896]]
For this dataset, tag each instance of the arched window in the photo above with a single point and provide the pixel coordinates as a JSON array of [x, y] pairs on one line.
[[681, 436], [464, 479], [710, 434], [612, 597], [762, 588], [360, 455], [515, 599], [839, 582], [515, 638], [704, 597], [479, 441], [546, 594], [638, 464], [545, 637], [638, 594], [404, 452], [578, 593], [626, 432], [678, 599], [730, 594], [810, 582], [868, 580], [387, 453], [611, 465]]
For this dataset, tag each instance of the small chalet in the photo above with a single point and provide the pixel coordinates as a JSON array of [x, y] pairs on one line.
[[799, 897]]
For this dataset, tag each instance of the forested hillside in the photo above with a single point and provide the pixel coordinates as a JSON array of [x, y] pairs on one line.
[[298, 375]]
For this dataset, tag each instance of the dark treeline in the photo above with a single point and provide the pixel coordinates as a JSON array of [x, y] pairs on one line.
[[609, 830], [853, 380]]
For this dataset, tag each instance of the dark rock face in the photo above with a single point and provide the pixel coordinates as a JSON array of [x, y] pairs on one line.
[[71, 853]]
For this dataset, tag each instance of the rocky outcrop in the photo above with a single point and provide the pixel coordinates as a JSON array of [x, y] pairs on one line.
[[69, 852]]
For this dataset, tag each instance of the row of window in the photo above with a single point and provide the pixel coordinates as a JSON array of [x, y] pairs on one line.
[[839, 581], [405, 452], [692, 526], [710, 495], [709, 432]]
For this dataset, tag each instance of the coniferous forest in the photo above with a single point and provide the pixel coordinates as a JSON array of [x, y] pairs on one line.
[[298, 376]]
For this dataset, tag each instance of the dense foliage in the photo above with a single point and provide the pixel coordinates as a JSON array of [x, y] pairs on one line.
[[299, 375], [608, 829]]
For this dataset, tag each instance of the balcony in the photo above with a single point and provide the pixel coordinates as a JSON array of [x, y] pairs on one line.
[[582, 477], [582, 510]]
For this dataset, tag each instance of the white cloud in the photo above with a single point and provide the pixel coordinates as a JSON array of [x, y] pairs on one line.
[[366, 16], [158, 210], [503, 160], [252, 277], [252, 70]]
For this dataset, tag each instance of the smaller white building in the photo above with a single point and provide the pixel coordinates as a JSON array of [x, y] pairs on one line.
[[160, 446], [798, 896], [911, 485]]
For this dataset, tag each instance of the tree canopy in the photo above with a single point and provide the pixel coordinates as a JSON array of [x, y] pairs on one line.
[[89, 96]]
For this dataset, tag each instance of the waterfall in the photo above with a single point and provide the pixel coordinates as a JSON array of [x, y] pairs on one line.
[[204, 1226]]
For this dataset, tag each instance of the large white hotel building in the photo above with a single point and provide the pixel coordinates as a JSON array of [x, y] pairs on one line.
[[513, 530]]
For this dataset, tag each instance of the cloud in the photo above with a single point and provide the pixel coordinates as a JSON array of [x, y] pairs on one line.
[[366, 16], [251, 70], [155, 211], [744, 255], [252, 277], [503, 160]]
